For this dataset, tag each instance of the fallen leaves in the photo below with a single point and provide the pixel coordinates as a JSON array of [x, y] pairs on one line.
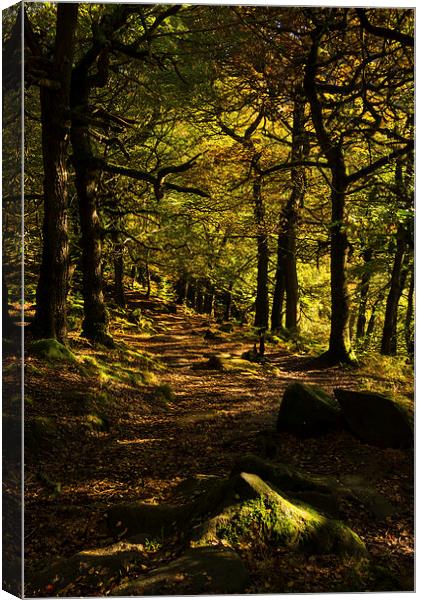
[[216, 418]]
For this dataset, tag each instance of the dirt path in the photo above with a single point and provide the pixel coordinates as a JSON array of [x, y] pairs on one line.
[[214, 419]]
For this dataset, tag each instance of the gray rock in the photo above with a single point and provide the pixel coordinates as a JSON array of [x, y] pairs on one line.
[[307, 410], [376, 419]]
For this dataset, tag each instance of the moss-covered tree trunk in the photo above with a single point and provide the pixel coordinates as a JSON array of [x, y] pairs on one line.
[[50, 313]]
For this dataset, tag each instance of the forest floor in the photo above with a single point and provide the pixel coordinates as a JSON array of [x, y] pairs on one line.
[[150, 444]]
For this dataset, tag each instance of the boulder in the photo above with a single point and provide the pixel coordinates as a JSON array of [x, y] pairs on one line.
[[285, 477], [253, 512], [170, 308], [226, 363], [93, 568], [366, 494], [322, 492], [226, 327], [307, 410], [376, 419], [212, 335], [208, 570]]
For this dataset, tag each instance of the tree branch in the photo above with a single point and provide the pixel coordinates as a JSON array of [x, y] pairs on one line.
[[383, 32], [380, 163]]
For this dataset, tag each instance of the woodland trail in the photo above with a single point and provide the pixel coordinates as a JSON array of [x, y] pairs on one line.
[[214, 419]]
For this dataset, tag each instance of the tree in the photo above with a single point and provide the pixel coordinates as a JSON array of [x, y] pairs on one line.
[[50, 316], [334, 147]]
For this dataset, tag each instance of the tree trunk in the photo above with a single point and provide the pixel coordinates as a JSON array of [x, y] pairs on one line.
[[119, 294], [181, 289], [409, 328], [389, 341], [199, 299], [7, 321], [51, 295], [209, 298], [261, 319], [147, 277], [364, 288], [339, 345], [279, 290], [95, 322], [191, 294], [228, 303], [296, 199]]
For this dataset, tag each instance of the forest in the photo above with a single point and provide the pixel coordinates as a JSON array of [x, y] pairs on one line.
[[218, 314]]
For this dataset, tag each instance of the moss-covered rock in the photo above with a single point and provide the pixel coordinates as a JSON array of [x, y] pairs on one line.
[[322, 492], [226, 327], [307, 410], [376, 419], [220, 362], [51, 350], [198, 571], [92, 568], [212, 335], [252, 510], [285, 477], [136, 315]]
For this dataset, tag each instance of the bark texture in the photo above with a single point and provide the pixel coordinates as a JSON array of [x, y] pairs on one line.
[[50, 315]]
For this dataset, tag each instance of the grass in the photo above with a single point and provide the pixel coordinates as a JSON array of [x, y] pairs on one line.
[[122, 365]]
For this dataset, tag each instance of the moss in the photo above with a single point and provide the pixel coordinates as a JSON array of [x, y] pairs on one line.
[[162, 394], [149, 378], [219, 362], [33, 370], [276, 521], [51, 350], [97, 422]]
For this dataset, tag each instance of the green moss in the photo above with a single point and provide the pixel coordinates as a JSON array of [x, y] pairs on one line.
[[163, 394], [230, 365], [97, 422], [51, 350], [275, 520], [32, 369]]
